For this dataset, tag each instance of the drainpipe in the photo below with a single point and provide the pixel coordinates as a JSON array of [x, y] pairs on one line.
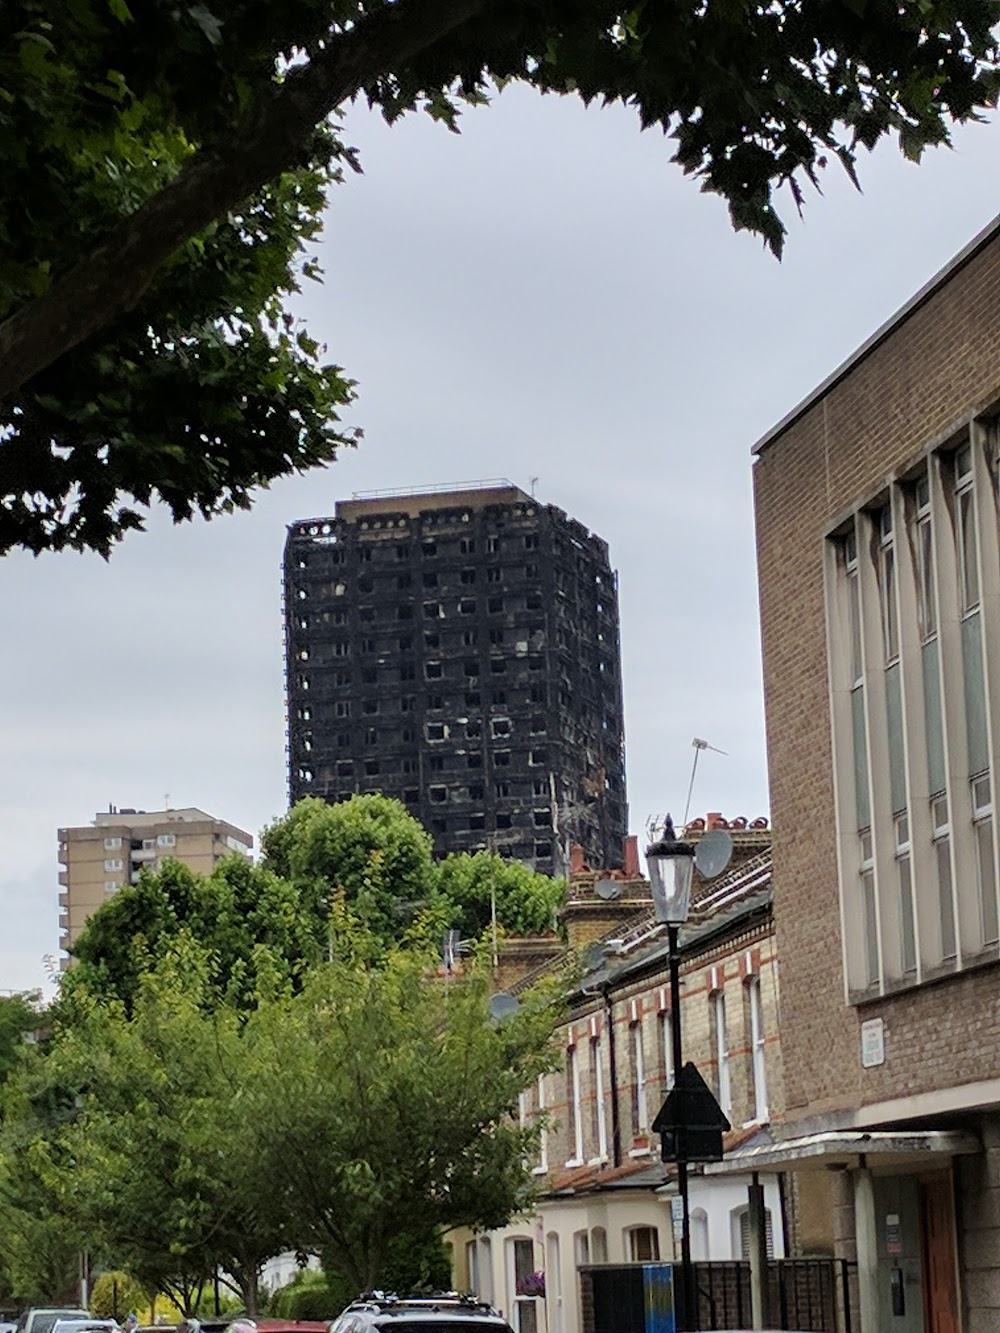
[[616, 1130]]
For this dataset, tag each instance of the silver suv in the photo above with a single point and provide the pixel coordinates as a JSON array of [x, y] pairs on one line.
[[446, 1313]]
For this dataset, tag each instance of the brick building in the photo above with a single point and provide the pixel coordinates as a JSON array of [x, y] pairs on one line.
[[457, 649], [876, 506], [604, 1194]]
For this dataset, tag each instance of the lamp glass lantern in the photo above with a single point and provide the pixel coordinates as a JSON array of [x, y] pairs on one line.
[[671, 871]]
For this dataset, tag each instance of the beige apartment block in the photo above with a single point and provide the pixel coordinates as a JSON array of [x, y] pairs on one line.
[[99, 859], [879, 563]]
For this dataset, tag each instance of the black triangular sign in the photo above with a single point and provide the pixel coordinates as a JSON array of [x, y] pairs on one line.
[[690, 1122]]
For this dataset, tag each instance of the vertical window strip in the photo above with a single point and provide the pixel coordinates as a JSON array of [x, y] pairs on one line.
[[600, 1118], [869, 911], [904, 880], [666, 1048], [722, 1051], [982, 817], [640, 1118], [758, 1064], [574, 1118], [887, 586], [941, 834], [965, 520], [924, 564], [543, 1141]]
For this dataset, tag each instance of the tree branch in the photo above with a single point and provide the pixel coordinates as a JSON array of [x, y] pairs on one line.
[[114, 277]]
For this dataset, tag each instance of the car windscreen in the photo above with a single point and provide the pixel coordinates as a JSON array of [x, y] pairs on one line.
[[42, 1322]]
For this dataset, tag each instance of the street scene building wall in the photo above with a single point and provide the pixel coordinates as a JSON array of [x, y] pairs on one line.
[[458, 650], [879, 563], [604, 1194]]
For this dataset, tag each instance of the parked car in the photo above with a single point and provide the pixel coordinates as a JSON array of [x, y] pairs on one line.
[[39, 1319], [89, 1325], [445, 1313]]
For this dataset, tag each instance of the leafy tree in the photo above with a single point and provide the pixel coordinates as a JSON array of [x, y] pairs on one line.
[[526, 902], [163, 169], [403, 1105], [20, 1021], [159, 1180], [359, 1118], [115, 1293], [368, 849], [251, 923]]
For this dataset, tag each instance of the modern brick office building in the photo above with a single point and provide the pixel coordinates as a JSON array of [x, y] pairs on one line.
[[879, 550], [458, 649]]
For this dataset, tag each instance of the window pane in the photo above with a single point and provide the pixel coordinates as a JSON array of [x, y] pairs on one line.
[[870, 926], [926, 602], [968, 568], [854, 615], [894, 721], [975, 694], [987, 881], [932, 717], [862, 800], [908, 947], [946, 905], [887, 589]]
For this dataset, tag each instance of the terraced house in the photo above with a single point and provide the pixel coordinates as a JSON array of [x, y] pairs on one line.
[[605, 1197]]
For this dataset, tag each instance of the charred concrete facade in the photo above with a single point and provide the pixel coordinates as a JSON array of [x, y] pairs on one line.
[[458, 650]]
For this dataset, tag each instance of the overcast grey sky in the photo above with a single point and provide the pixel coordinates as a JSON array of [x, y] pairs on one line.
[[544, 296]]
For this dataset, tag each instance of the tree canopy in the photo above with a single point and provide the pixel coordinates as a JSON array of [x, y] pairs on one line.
[[256, 923], [165, 168], [187, 1136]]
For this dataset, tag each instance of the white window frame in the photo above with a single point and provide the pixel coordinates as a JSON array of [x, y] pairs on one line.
[[600, 1111], [981, 788], [166, 840], [758, 1051], [633, 1250], [574, 1108], [112, 844], [720, 1036], [641, 1104], [113, 863], [543, 1142]]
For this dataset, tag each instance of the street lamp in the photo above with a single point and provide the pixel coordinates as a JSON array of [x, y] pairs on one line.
[[671, 870]]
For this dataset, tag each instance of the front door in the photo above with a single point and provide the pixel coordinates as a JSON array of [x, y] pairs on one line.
[[937, 1257]]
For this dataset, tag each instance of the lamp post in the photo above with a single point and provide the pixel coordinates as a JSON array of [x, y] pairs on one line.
[[671, 871]]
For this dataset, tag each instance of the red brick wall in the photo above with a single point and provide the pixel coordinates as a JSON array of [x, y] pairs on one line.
[[939, 365]]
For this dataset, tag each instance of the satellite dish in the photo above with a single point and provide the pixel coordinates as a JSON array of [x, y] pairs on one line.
[[594, 956], [503, 1005], [714, 852], [608, 889]]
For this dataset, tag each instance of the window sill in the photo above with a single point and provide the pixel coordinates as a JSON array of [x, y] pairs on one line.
[[574, 1161], [598, 1161], [542, 1170], [950, 971], [640, 1152]]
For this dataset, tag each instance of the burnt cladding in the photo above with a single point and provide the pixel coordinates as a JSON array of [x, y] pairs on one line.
[[459, 651]]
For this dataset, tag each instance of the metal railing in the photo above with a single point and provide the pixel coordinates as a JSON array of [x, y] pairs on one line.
[[813, 1295]]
